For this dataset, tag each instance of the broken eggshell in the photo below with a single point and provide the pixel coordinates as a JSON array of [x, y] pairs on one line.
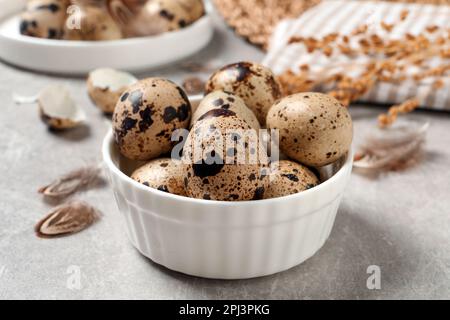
[[57, 108], [105, 86]]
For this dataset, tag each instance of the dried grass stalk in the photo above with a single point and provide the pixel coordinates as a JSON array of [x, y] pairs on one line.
[[385, 120], [385, 59]]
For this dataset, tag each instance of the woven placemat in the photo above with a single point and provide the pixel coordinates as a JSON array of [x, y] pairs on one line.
[[255, 20]]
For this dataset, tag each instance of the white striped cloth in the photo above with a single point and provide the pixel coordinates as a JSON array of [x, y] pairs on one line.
[[345, 16]]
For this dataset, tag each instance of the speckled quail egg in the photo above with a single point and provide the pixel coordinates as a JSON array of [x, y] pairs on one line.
[[105, 86], [144, 18], [163, 174], [194, 7], [91, 23], [229, 101], [288, 177], [314, 128], [175, 14], [135, 19], [146, 115], [254, 83], [44, 19], [221, 162]]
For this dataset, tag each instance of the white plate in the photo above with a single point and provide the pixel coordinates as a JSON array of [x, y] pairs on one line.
[[80, 57]]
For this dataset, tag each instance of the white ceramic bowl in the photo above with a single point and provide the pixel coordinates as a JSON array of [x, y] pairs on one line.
[[81, 57], [224, 240]]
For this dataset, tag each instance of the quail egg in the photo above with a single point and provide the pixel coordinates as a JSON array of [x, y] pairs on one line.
[[91, 23], [288, 177], [223, 160], [135, 19], [229, 101], [254, 83], [144, 18], [163, 174], [175, 14], [44, 19], [314, 128], [146, 115], [194, 7], [105, 86]]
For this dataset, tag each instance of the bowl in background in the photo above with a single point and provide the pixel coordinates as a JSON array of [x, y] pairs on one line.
[[80, 57]]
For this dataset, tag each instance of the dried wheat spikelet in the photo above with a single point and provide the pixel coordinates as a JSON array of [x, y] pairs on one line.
[[385, 120]]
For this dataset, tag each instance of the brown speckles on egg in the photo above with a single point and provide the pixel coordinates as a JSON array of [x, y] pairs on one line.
[[163, 188], [241, 70], [254, 83], [309, 126], [288, 177], [259, 193], [126, 125], [141, 119], [204, 169], [124, 96], [225, 101], [52, 7], [166, 14], [218, 102], [233, 197], [146, 119], [291, 176], [170, 113], [217, 113]]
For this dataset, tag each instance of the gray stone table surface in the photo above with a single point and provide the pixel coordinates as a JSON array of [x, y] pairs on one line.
[[399, 221]]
